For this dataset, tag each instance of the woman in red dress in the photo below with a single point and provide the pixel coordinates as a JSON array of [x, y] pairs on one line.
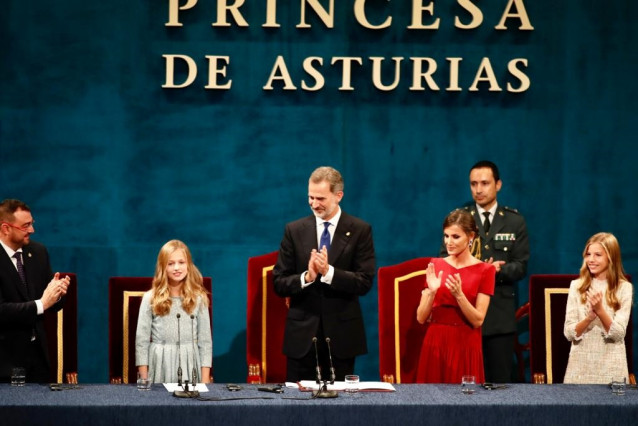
[[453, 304]]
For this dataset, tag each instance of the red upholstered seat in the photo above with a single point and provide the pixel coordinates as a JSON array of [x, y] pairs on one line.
[[125, 297], [400, 335], [265, 321], [62, 336], [549, 349], [522, 314]]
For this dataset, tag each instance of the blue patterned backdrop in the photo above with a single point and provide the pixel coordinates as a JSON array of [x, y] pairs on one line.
[[113, 165]]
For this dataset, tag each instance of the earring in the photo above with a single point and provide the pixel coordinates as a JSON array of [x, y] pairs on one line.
[[471, 241]]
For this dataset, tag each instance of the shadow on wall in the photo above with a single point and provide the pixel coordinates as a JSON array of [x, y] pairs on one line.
[[227, 368]]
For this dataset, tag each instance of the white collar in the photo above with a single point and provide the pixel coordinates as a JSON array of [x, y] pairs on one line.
[[9, 250], [334, 221], [492, 211]]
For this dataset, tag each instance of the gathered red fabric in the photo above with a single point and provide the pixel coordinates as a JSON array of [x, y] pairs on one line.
[[452, 348]]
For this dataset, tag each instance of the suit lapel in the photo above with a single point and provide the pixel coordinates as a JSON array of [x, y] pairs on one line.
[[497, 223], [309, 232], [29, 265], [479, 224], [341, 238], [7, 265]]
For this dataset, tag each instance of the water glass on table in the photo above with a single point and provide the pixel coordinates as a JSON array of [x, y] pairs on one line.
[[352, 384], [143, 384], [618, 386], [18, 376], [468, 384]]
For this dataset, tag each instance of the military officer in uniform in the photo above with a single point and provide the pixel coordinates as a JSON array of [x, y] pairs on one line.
[[502, 241]]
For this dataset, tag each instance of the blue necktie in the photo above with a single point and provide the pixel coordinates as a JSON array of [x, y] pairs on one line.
[[325, 237]]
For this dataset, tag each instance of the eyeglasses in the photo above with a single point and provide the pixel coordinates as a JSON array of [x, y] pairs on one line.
[[23, 228]]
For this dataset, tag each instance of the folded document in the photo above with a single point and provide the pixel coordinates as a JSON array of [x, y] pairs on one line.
[[309, 385], [171, 387]]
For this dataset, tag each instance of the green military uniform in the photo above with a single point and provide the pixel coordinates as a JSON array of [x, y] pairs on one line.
[[507, 240]]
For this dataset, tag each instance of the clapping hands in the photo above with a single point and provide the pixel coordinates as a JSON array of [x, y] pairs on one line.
[[55, 290], [433, 280], [454, 284], [594, 302], [318, 264]]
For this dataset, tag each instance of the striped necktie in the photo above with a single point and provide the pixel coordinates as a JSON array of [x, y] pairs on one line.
[[18, 257]]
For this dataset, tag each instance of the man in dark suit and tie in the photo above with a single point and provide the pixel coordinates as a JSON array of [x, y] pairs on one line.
[[502, 241], [27, 289], [326, 261]]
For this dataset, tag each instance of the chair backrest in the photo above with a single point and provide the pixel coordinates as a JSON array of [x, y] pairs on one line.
[[400, 335], [265, 320], [125, 298], [62, 335], [549, 349]]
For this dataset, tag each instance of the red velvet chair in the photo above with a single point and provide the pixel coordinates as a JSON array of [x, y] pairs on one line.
[[400, 335], [125, 297], [62, 336], [522, 314], [549, 349], [265, 321]]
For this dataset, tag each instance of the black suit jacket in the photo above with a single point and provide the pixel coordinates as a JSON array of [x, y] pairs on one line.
[[335, 306], [18, 311]]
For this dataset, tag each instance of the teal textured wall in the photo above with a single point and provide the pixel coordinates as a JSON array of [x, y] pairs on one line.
[[113, 165]]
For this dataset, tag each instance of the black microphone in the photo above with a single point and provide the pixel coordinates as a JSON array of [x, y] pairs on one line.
[[318, 378], [194, 378], [179, 354], [186, 393], [323, 391], [332, 368]]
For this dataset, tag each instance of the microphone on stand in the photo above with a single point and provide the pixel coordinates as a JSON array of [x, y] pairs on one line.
[[318, 369], [332, 368], [194, 375], [179, 354], [323, 391], [180, 393]]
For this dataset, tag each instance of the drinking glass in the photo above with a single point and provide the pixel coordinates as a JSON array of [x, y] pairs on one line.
[[468, 385], [143, 384], [18, 376], [618, 386], [352, 384]]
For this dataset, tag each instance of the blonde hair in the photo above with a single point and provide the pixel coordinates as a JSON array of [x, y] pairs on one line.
[[192, 287], [615, 271]]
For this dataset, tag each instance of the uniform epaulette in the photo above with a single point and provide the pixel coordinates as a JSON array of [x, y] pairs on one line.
[[511, 209]]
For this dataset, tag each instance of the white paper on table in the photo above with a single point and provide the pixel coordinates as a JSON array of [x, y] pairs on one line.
[[341, 386], [171, 387]]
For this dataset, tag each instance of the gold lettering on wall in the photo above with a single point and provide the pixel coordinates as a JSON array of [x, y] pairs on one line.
[[170, 71], [382, 72], [215, 70], [173, 11]]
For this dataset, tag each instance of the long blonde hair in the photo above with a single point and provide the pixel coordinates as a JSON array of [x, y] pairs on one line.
[[615, 271], [192, 288]]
